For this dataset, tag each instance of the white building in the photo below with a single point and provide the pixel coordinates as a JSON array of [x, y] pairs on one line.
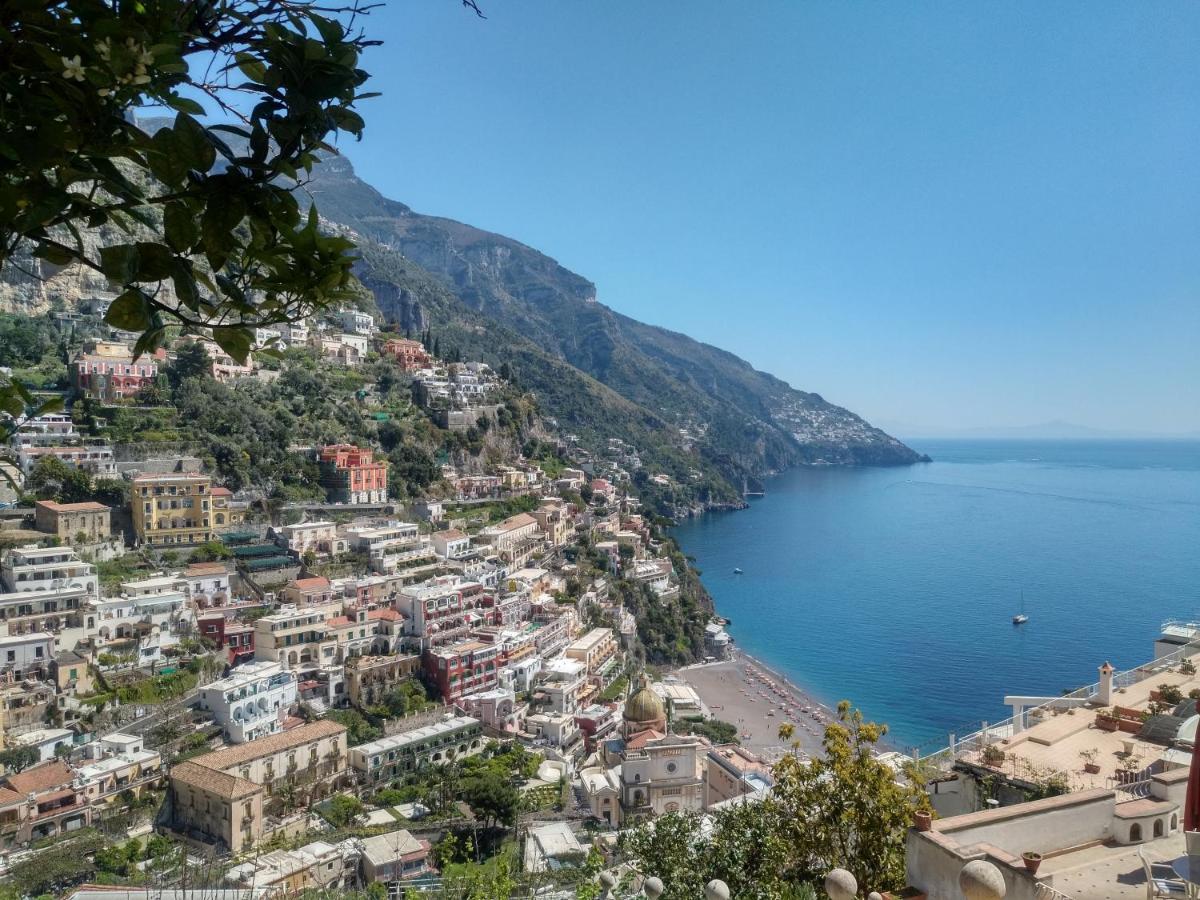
[[26, 655], [452, 544], [34, 568], [318, 537], [252, 701], [356, 322]]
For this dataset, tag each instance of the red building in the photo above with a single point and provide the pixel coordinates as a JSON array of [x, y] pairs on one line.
[[112, 376], [409, 355], [461, 669], [351, 474], [235, 639]]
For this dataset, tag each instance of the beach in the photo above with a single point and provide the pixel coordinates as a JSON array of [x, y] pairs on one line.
[[756, 699]]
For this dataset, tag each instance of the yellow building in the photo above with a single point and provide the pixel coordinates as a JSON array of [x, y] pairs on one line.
[[172, 509]]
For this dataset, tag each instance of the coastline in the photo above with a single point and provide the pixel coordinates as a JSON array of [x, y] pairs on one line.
[[746, 692]]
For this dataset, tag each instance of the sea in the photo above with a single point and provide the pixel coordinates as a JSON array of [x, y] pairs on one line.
[[895, 588]]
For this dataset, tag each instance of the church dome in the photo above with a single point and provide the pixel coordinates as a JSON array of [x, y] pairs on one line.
[[644, 706]]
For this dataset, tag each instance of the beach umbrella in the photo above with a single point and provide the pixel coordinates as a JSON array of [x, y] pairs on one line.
[[1191, 809]]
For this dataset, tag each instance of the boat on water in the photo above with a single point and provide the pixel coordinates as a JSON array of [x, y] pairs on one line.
[[1020, 618], [737, 571]]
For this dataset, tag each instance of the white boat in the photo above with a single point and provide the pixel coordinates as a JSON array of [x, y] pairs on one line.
[[737, 571], [1020, 618]]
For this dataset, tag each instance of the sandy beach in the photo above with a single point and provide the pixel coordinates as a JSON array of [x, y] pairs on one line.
[[758, 700]]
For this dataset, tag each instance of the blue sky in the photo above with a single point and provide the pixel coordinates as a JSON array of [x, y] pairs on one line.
[[940, 215]]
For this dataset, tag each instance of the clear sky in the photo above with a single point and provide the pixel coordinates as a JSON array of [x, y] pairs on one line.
[[940, 215]]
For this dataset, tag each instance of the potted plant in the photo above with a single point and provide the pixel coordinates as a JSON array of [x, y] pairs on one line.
[[992, 756], [1032, 861], [1089, 761], [923, 819]]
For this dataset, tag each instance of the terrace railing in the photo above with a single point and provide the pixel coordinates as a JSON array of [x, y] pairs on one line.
[[978, 735]]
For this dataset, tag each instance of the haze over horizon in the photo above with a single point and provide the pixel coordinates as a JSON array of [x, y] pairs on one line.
[[932, 214]]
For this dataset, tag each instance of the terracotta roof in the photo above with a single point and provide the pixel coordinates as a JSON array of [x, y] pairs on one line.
[[451, 534], [213, 781], [8, 798], [221, 492], [206, 568], [223, 760], [520, 520], [311, 584], [389, 615], [41, 778], [88, 506], [338, 621], [642, 738]]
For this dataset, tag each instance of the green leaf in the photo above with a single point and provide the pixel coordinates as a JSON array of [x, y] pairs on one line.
[[185, 104], [180, 226], [251, 67], [195, 147], [235, 340], [119, 262], [129, 312], [155, 261], [51, 253]]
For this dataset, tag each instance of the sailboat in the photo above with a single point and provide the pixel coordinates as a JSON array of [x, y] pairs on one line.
[[1020, 618]]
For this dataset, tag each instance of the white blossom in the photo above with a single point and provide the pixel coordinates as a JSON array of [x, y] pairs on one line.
[[73, 68]]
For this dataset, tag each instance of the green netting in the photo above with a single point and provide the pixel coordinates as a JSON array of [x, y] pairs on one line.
[[256, 550], [270, 562]]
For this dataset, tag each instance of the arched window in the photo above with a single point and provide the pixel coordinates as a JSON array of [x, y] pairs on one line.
[[1174, 821], [1158, 828], [1135, 832]]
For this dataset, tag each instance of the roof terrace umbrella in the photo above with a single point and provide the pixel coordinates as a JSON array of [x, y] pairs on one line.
[[1191, 806]]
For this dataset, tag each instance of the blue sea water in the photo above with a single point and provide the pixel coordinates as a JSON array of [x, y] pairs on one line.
[[895, 588]]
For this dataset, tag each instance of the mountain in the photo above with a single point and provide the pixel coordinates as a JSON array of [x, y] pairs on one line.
[[496, 293], [700, 415], [1056, 430]]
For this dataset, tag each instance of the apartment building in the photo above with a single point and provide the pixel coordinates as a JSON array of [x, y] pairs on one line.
[[41, 802], [207, 583], [514, 539], [356, 322], [409, 355], [377, 540], [393, 857], [120, 768], [397, 755], [295, 638], [597, 651], [308, 592], [351, 474], [108, 372], [96, 459], [319, 537], [32, 568], [554, 519], [26, 655], [371, 678], [441, 610], [88, 523], [172, 509], [451, 544], [45, 589], [464, 668], [252, 702], [222, 799]]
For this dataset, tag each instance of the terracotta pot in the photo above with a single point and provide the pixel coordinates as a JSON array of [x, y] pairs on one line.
[[923, 820], [1032, 861], [1106, 723], [1092, 768]]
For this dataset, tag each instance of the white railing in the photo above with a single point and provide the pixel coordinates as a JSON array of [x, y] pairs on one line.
[[987, 733]]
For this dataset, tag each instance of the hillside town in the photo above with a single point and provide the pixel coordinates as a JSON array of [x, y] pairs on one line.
[[332, 693]]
